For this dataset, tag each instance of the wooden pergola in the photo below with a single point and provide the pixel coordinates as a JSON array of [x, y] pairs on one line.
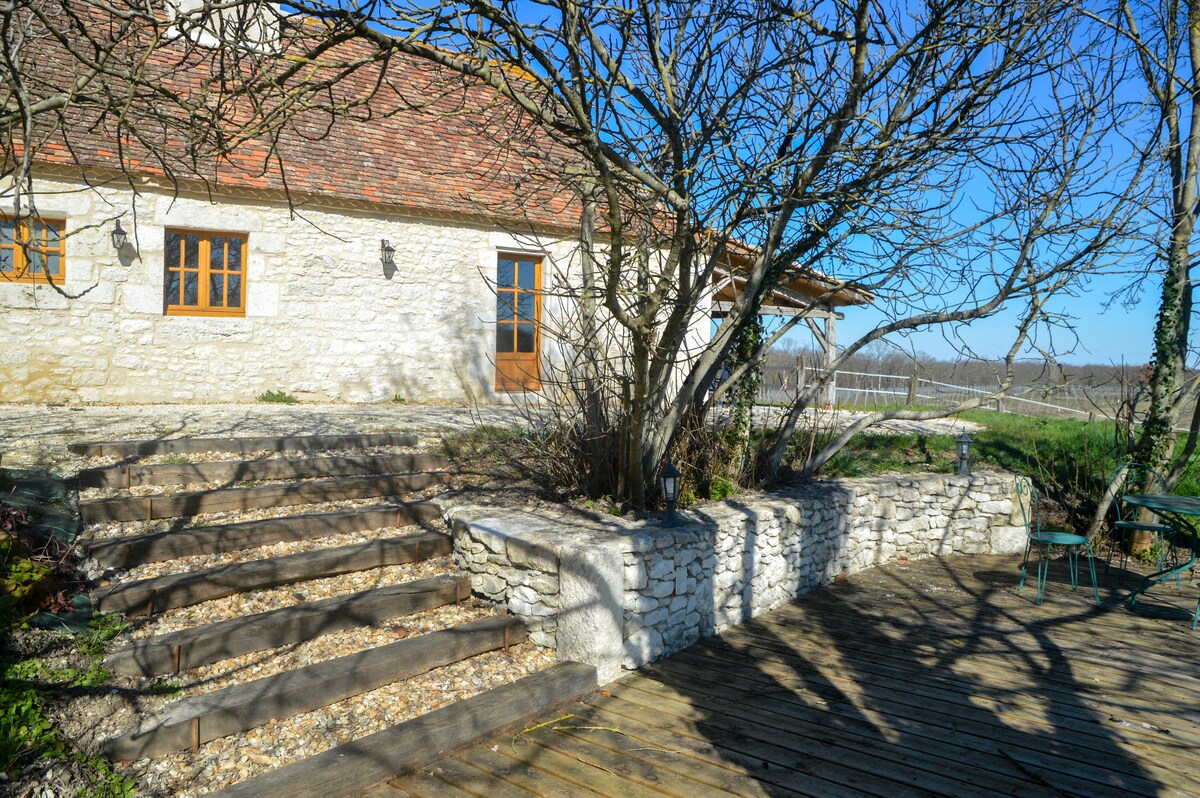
[[811, 295]]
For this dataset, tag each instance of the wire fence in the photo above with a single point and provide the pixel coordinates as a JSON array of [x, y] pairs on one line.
[[856, 389]]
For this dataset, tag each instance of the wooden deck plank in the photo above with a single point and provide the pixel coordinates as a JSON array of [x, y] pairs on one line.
[[606, 781], [931, 678], [676, 745], [219, 500], [231, 471], [694, 781], [148, 596], [490, 767], [995, 671], [813, 733], [130, 550], [494, 782], [948, 729], [272, 443]]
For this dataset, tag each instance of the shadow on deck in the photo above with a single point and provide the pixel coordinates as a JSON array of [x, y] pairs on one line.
[[934, 678]]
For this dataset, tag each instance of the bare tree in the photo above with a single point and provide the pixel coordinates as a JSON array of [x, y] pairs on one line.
[[1163, 41], [938, 156], [949, 159]]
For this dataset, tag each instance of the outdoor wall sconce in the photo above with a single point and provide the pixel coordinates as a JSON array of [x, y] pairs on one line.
[[119, 237], [964, 454], [668, 482], [387, 253]]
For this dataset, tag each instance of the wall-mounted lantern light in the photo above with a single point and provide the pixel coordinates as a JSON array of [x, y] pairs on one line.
[[119, 237], [387, 253], [964, 454], [668, 482]]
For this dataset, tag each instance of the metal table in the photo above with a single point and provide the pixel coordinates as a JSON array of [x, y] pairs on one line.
[[1183, 512]]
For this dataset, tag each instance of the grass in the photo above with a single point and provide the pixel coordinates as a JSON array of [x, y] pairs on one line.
[[1069, 460], [278, 398]]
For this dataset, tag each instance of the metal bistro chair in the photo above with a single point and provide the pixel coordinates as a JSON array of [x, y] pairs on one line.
[[1027, 499], [1136, 478]]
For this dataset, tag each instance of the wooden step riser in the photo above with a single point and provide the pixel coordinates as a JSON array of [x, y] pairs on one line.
[[127, 552], [147, 508], [191, 722], [191, 648], [286, 443], [149, 596], [351, 769], [243, 470]]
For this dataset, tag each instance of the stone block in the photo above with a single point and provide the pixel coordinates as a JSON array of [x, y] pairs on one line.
[[591, 618], [532, 554]]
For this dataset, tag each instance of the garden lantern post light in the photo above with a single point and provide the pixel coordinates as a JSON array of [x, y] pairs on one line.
[[668, 482], [964, 454]]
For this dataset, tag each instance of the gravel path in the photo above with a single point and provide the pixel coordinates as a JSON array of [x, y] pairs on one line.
[[36, 436]]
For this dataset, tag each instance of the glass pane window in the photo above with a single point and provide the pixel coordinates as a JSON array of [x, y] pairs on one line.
[[504, 338], [526, 338], [203, 273], [527, 275], [505, 271], [32, 250]]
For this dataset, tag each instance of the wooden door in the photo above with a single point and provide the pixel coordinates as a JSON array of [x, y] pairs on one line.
[[518, 323]]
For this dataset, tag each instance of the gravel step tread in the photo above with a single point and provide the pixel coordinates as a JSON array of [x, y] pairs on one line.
[[269, 443], [355, 767], [174, 505], [131, 550], [192, 721], [125, 476], [160, 593], [203, 645]]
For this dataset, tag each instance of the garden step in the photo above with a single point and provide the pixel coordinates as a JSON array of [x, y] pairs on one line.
[[180, 590], [191, 721], [131, 550], [231, 471], [173, 505], [274, 443], [202, 645], [351, 769]]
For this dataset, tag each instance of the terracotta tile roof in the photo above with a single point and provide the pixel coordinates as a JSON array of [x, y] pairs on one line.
[[427, 139]]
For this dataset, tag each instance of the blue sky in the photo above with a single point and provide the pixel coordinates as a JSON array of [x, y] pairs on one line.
[[1105, 336]]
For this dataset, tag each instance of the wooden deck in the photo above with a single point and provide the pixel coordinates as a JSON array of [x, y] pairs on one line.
[[934, 678]]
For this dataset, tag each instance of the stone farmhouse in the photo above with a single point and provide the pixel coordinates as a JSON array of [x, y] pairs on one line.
[[413, 250]]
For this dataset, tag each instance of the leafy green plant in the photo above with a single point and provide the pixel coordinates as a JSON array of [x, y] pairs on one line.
[[278, 397], [398, 399], [721, 488], [103, 781]]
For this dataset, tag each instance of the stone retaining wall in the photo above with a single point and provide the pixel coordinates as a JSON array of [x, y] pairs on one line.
[[618, 594]]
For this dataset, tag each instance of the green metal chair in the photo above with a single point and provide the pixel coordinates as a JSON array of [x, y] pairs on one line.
[[1136, 478], [1027, 499]]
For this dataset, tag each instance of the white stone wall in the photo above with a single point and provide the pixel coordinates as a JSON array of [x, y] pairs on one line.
[[323, 321], [619, 594]]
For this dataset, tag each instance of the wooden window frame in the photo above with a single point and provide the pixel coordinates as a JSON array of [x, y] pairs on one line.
[[204, 273], [20, 249]]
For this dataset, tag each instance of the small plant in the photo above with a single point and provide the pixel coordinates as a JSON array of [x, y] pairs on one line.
[[398, 399], [176, 459], [278, 397], [721, 488]]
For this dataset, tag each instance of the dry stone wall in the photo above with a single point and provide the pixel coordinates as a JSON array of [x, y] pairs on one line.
[[619, 594]]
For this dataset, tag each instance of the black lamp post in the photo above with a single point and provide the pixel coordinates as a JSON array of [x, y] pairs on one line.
[[119, 236], [964, 454], [668, 482]]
